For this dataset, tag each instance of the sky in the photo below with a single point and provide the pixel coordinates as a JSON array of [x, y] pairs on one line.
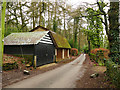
[[74, 3]]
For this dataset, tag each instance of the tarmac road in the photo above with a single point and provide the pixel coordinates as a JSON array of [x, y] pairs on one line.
[[61, 77]]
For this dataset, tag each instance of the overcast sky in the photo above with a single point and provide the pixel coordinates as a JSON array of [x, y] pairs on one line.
[[74, 3]]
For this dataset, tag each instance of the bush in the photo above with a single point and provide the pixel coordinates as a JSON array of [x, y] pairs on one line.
[[113, 73], [26, 59], [99, 55], [74, 51], [85, 49], [10, 66], [92, 57]]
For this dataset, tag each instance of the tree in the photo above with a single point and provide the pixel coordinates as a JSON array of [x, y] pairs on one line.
[[76, 16], [113, 35], [76, 20], [94, 31], [113, 30]]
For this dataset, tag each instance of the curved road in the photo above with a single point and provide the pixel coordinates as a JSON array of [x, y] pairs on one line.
[[61, 77]]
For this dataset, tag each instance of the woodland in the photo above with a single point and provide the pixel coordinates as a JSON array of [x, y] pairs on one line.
[[86, 27]]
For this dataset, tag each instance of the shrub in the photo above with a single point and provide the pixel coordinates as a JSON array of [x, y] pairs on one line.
[[99, 55], [74, 51], [113, 73], [85, 49], [10, 66]]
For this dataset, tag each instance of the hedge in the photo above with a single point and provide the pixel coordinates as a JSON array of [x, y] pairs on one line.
[[99, 55]]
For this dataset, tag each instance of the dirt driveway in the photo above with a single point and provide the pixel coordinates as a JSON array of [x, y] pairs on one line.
[[61, 77]]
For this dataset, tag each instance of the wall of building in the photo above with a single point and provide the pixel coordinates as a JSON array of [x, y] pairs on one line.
[[45, 53], [19, 49], [61, 54]]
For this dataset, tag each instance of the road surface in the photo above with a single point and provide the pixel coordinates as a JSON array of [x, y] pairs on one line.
[[61, 77]]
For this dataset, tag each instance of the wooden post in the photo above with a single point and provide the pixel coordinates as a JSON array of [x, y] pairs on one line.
[[2, 24], [55, 57], [68, 53], [56, 52], [35, 61], [62, 53]]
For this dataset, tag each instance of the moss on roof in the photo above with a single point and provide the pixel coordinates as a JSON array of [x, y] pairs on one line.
[[60, 41], [24, 38]]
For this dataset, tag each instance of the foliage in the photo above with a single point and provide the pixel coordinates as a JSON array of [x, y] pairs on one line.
[[85, 49], [74, 51], [95, 28], [55, 25], [10, 66], [113, 73], [12, 29], [112, 30], [99, 55], [57, 16], [71, 42], [114, 34], [26, 59], [106, 42]]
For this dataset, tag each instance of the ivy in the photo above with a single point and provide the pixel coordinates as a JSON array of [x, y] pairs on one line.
[[95, 28], [114, 32]]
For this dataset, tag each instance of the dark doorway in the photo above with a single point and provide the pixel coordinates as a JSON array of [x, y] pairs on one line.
[[44, 53]]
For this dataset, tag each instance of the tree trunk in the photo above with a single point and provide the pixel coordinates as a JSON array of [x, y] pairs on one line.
[[54, 19], [113, 36], [64, 23], [76, 20], [88, 44], [79, 42], [33, 14], [40, 17], [48, 17], [22, 18]]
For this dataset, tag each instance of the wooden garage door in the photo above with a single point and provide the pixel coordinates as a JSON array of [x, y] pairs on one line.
[[45, 53]]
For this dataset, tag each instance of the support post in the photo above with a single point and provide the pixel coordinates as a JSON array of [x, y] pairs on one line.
[[56, 52], [63, 53], [35, 61], [55, 57], [68, 53]]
